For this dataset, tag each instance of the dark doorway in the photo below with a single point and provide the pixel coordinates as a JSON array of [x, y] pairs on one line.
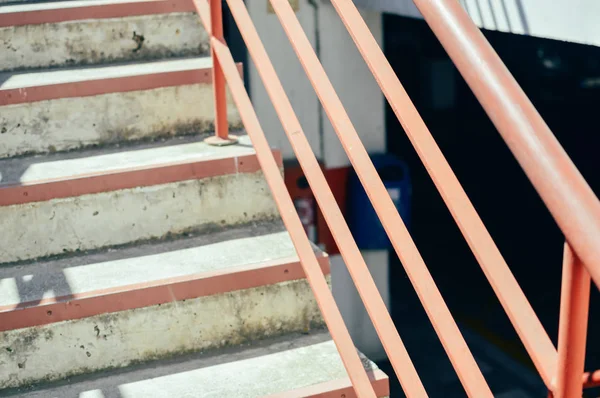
[[563, 81]]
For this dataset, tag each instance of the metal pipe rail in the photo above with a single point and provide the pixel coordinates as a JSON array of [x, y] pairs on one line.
[[341, 232], [532, 143], [291, 220], [591, 379], [435, 307], [568, 197], [512, 298], [572, 331], [294, 226], [563, 189]]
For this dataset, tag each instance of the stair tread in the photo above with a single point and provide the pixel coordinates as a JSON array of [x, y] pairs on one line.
[[34, 13], [25, 79], [98, 198], [261, 245], [60, 5], [283, 367], [62, 166]]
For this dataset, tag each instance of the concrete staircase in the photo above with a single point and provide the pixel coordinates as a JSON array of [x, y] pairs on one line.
[[135, 260]]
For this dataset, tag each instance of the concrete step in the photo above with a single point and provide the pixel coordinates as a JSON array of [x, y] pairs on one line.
[[63, 203], [110, 309], [290, 367], [59, 110], [50, 34]]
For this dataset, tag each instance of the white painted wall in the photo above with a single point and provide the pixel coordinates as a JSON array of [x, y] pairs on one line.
[[346, 69], [364, 103], [573, 20], [292, 76], [354, 84], [351, 306], [569, 20]]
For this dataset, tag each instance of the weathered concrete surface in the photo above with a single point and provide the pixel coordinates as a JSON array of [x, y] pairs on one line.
[[102, 41], [112, 218], [68, 348], [260, 243], [70, 123], [275, 366], [25, 79], [32, 169]]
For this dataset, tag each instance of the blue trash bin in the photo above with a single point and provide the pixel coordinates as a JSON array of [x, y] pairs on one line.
[[362, 219]]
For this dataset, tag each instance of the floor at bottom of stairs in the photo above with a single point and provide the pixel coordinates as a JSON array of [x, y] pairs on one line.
[[296, 365], [506, 376]]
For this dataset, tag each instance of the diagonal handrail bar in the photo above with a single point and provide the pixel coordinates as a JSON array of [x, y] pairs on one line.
[[591, 379], [350, 252], [519, 310], [219, 90], [572, 329], [546, 164], [304, 249], [561, 186], [203, 10], [435, 307]]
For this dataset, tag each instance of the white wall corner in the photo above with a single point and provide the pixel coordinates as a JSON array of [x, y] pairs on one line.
[[290, 72], [568, 20], [354, 83], [353, 311]]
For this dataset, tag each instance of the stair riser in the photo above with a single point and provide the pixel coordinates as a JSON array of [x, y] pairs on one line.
[[71, 123], [97, 41], [93, 221], [60, 350]]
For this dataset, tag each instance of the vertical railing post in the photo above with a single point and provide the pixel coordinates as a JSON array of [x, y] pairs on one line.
[[572, 333], [221, 136]]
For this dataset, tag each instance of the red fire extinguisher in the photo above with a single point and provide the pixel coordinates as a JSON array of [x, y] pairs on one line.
[[303, 198], [305, 206]]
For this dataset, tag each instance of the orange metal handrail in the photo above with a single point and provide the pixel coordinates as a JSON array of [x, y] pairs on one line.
[[561, 371], [314, 274], [591, 379], [567, 195], [561, 186], [439, 315], [572, 334], [333, 215], [512, 298], [216, 23]]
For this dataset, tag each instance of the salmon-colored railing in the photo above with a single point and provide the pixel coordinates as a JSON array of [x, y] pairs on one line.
[[533, 144], [568, 197]]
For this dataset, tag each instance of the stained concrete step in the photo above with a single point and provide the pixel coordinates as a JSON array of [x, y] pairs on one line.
[[63, 203], [59, 110], [293, 366], [50, 34], [110, 309]]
